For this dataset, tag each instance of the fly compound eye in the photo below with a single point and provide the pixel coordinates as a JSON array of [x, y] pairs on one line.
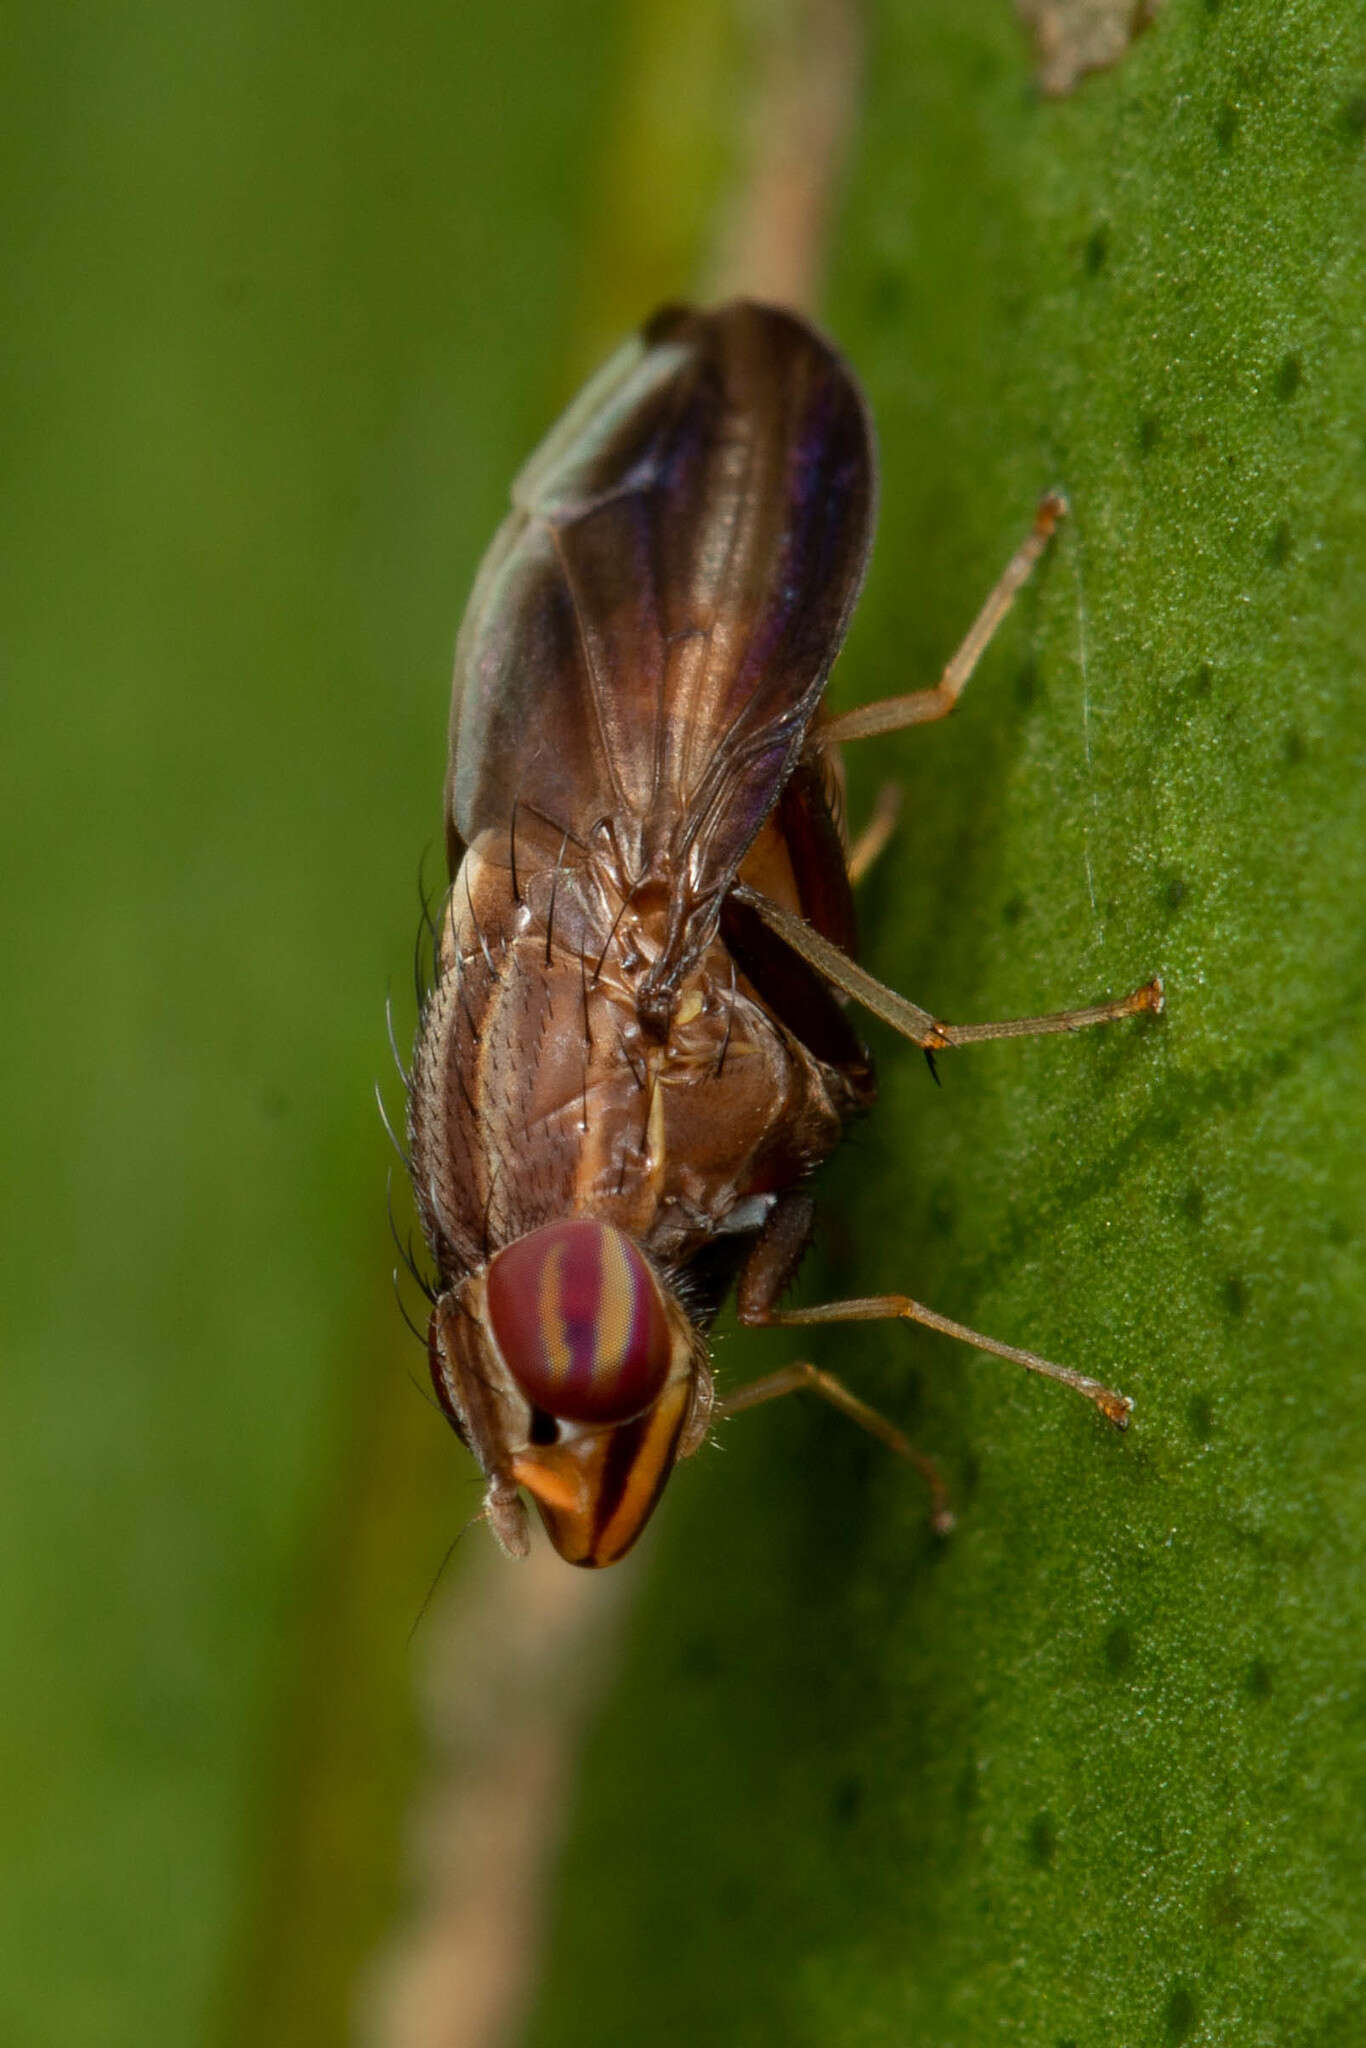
[[580, 1322]]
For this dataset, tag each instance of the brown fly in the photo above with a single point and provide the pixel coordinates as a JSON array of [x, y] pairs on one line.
[[637, 1050]]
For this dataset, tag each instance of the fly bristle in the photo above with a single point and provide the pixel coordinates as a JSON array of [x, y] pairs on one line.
[[638, 1073], [474, 920], [458, 970], [405, 1251], [425, 977], [403, 1074], [512, 852], [420, 1335], [404, 1157], [487, 1230], [624, 906], [720, 1066], [554, 890]]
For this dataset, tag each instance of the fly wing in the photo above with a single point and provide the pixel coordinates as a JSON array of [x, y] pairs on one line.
[[652, 629]]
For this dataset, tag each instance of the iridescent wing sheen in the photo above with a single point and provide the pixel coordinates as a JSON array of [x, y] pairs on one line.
[[652, 629]]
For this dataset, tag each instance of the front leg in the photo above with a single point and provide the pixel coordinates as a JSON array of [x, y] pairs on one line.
[[774, 1258], [770, 1268]]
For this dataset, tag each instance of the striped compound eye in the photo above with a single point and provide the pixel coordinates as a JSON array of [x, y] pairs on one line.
[[579, 1320]]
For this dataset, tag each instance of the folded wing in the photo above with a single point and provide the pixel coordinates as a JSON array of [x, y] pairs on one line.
[[652, 629]]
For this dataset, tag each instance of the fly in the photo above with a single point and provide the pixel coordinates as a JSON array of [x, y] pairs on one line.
[[637, 1048]]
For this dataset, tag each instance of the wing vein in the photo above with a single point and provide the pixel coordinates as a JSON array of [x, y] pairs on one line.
[[596, 684]]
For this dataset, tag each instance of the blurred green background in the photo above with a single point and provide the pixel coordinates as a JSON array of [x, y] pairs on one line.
[[289, 294]]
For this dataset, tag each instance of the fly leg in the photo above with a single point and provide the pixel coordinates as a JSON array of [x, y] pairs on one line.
[[931, 1033], [922, 707], [792, 1379], [771, 1264], [878, 1308], [928, 1032], [872, 840]]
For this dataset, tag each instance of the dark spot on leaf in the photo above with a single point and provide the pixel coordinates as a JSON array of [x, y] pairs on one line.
[[1226, 124], [1180, 2015], [1043, 1842], [1097, 249], [1293, 747], [1203, 680], [1174, 895], [943, 1216], [1119, 1650], [967, 1790], [1201, 1416], [1027, 682], [1289, 377], [1193, 1204], [1258, 1679], [846, 1801], [1338, 1232], [1354, 115], [887, 296], [1281, 545], [1235, 1295], [1013, 911], [1149, 433], [1228, 1907]]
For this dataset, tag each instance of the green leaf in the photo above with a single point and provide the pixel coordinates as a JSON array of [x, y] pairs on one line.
[[1092, 1771]]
